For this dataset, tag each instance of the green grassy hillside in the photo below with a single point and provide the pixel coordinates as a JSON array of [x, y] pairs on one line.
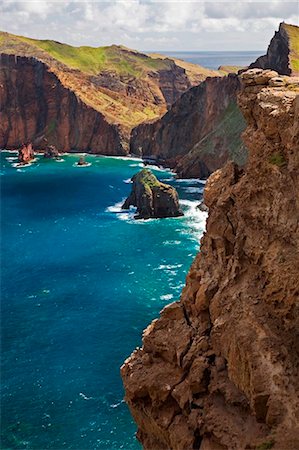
[[127, 86], [293, 35]]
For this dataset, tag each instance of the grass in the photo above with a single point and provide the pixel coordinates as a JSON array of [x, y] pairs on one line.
[[92, 60], [293, 33], [266, 445], [277, 159], [147, 178], [99, 77]]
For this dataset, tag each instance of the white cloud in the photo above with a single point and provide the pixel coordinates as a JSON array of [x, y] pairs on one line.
[[150, 24]]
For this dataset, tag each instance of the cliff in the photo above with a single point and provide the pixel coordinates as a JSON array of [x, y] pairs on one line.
[[152, 198], [205, 124], [35, 106], [283, 52], [219, 368], [115, 89]]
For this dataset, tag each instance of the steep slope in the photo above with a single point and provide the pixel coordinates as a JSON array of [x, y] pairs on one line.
[[283, 52], [35, 106], [219, 368], [206, 118], [121, 85]]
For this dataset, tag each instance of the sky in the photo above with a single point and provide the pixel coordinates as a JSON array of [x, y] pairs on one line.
[[151, 24]]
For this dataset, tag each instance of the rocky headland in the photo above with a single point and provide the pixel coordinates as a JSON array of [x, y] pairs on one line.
[[202, 130], [219, 369], [83, 98], [152, 198], [283, 52]]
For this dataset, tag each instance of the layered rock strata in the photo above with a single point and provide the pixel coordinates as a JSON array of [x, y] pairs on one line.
[[219, 368], [152, 198]]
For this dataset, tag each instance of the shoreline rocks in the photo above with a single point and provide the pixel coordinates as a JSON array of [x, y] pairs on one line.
[[51, 152], [26, 154], [152, 198]]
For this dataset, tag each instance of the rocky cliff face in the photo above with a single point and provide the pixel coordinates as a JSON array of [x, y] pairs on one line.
[[283, 52], [205, 121], [36, 107], [105, 92], [219, 368], [152, 198]]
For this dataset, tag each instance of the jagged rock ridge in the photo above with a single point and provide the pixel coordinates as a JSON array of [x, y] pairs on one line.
[[219, 368], [283, 52], [152, 198]]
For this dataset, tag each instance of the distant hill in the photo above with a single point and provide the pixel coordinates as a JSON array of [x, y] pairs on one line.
[[124, 86]]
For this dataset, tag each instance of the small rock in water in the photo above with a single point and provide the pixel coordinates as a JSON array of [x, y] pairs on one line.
[[152, 198]]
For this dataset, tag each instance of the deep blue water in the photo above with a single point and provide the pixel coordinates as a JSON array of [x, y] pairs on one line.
[[213, 60], [80, 281]]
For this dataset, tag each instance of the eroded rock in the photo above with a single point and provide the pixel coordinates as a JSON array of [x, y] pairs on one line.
[[152, 198], [229, 347]]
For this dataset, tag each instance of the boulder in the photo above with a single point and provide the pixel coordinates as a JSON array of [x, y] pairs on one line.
[[152, 198], [51, 152]]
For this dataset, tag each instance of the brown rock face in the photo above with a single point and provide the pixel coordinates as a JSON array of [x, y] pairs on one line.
[[152, 198], [26, 154], [201, 124], [36, 107], [219, 368]]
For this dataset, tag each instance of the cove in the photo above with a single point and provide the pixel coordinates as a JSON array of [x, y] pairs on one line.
[[80, 281]]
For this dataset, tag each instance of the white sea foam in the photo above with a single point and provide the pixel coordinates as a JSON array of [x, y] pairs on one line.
[[82, 165], [122, 214], [124, 158], [18, 165], [59, 160], [137, 165], [11, 158], [196, 218], [193, 190], [168, 266], [190, 180], [128, 181], [166, 297], [168, 242]]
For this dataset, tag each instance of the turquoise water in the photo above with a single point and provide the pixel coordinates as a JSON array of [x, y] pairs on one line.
[[80, 281]]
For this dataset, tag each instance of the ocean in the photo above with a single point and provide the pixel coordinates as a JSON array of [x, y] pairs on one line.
[[81, 279], [212, 60]]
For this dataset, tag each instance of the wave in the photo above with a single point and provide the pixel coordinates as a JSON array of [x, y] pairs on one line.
[[137, 165], [128, 181], [168, 266], [190, 180], [11, 158], [82, 165], [122, 214], [193, 190], [166, 297]]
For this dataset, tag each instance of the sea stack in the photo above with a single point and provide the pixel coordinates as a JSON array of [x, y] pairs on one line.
[[152, 198], [26, 154]]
